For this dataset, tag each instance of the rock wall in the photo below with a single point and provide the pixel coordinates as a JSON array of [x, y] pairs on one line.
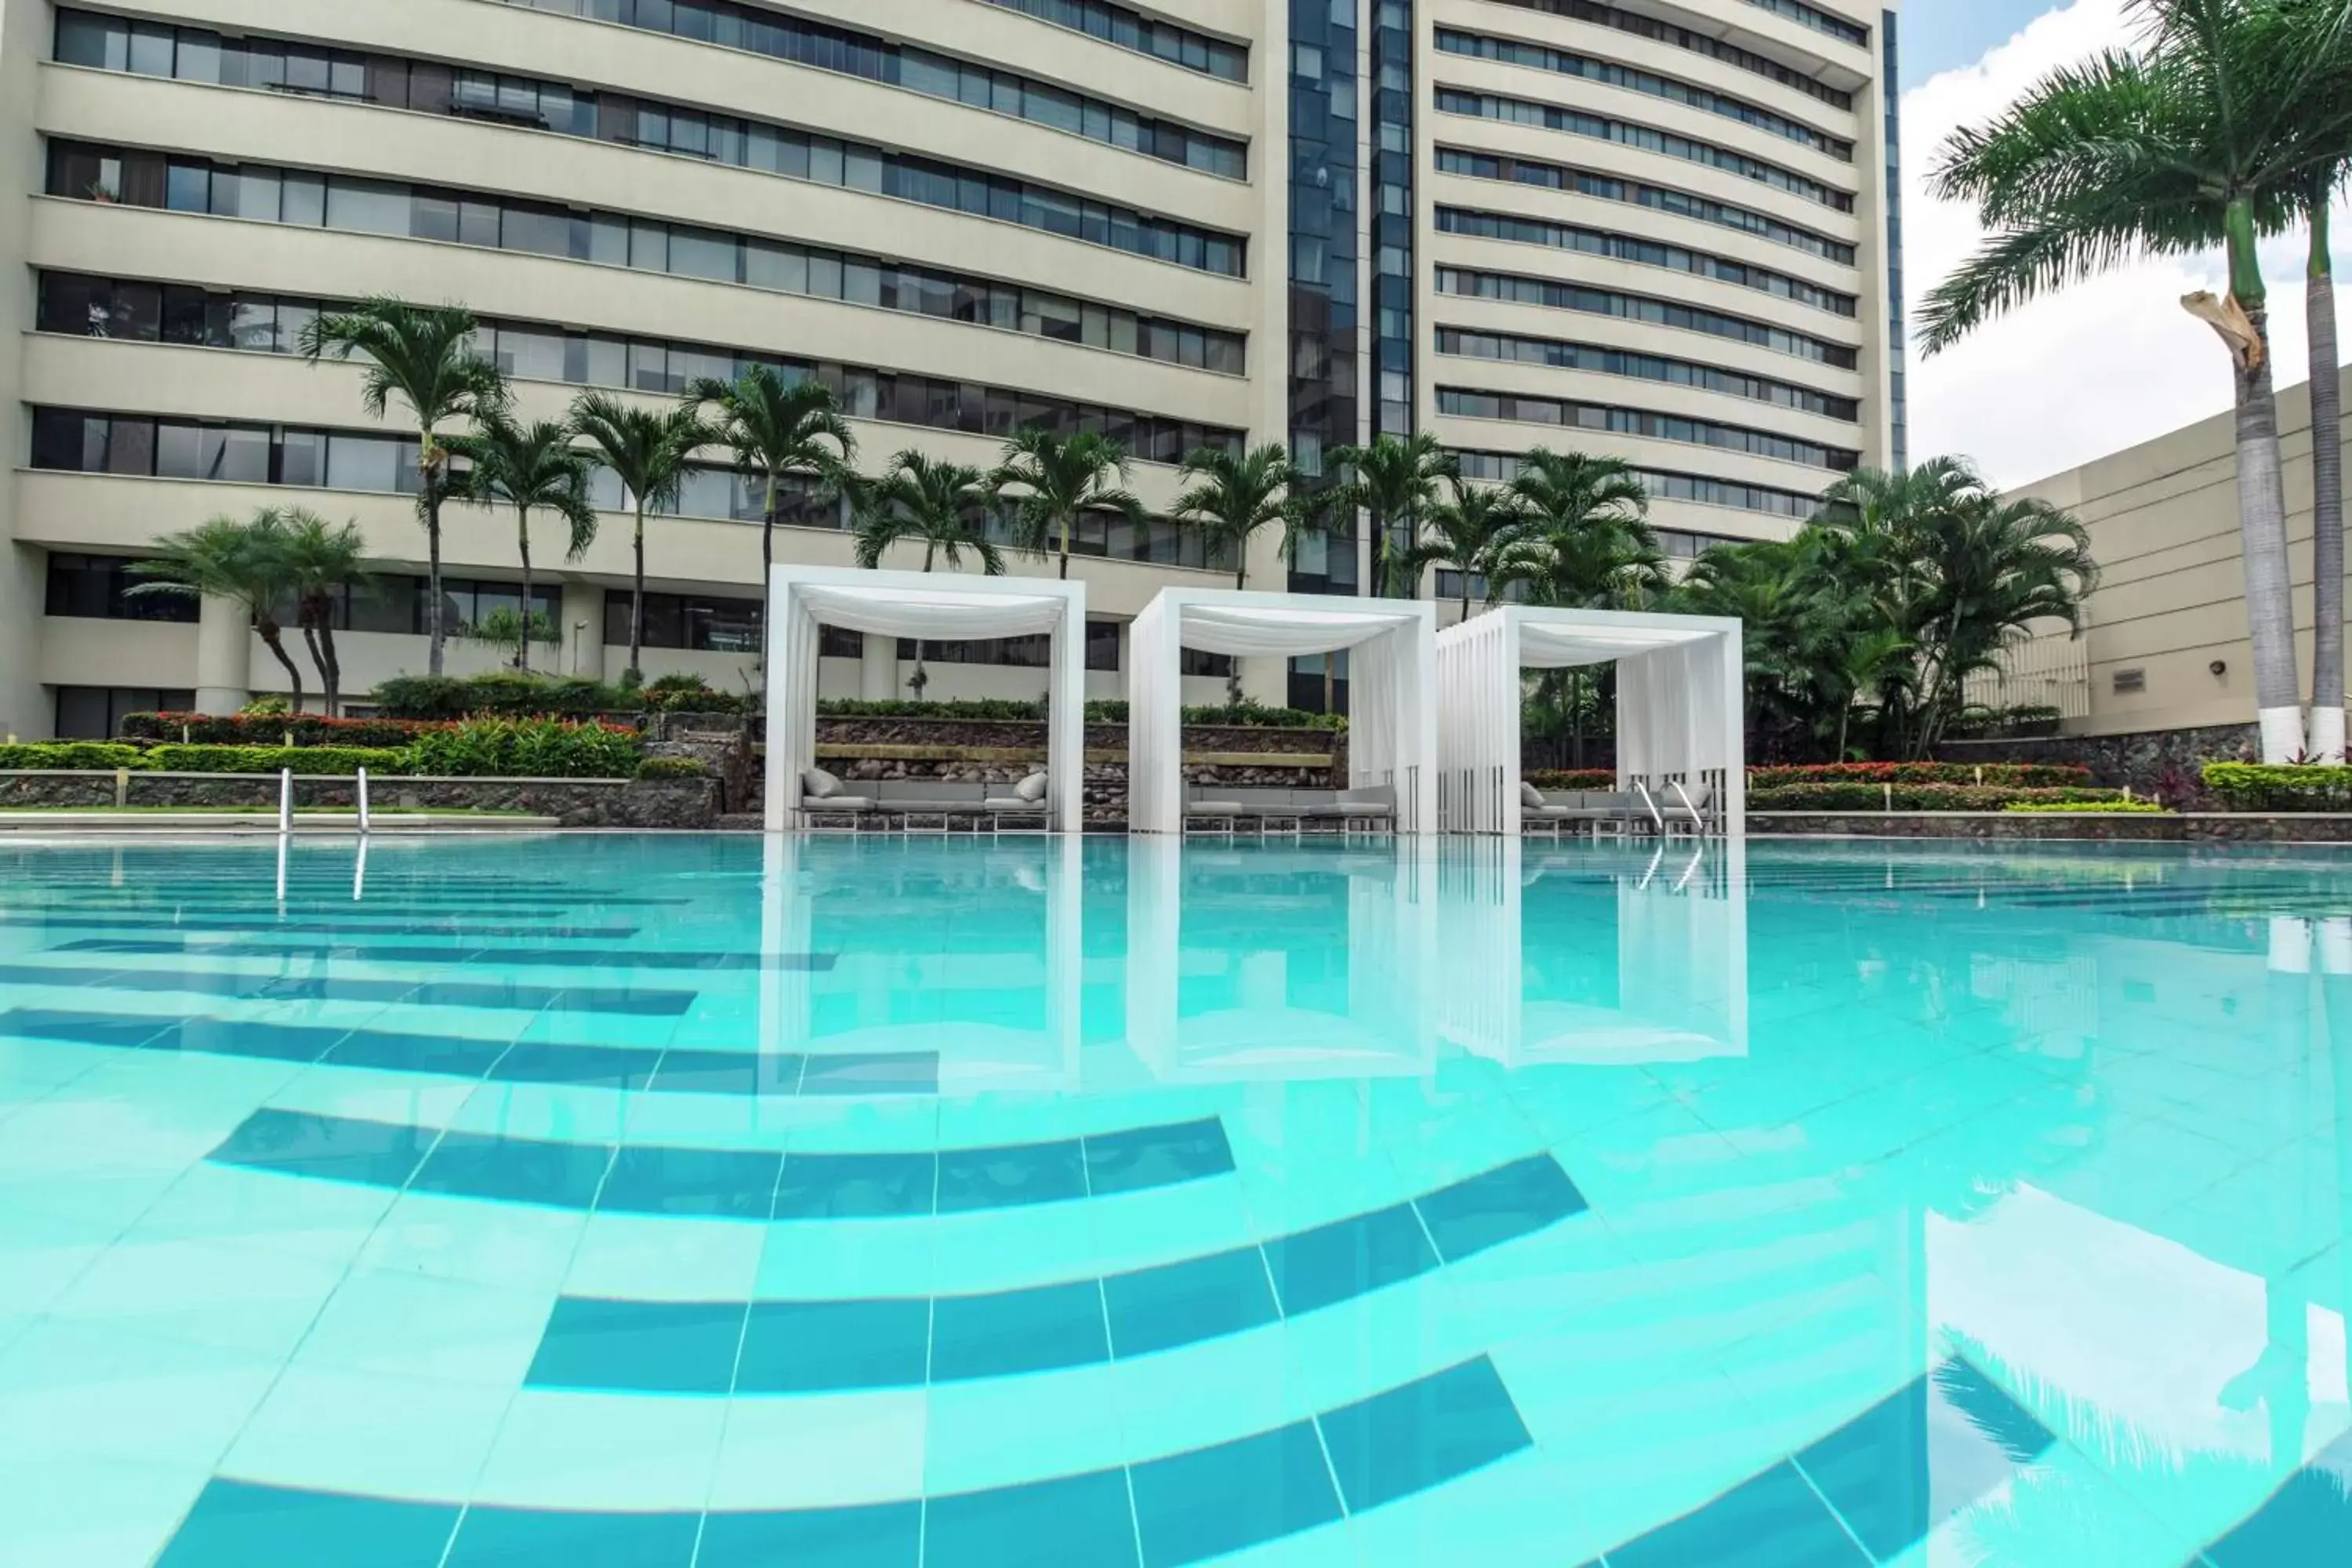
[[2165, 763]]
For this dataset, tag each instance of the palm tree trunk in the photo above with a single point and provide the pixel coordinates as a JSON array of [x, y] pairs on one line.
[[1068, 524], [522, 541], [332, 662], [433, 631], [2262, 517], [2328, 498], [637, 601], [311, 641], [272, 638], [767, 553]]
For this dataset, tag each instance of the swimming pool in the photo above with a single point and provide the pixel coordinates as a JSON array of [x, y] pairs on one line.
[[709, 1203]]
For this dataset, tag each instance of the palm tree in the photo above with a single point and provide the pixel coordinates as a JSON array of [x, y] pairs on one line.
[[1475, 531], [322, 560], [1587, 539], [777, 427], [919, 499], [2209, 134], [424, 355], [1052, 481], [530, 467], [1393, 481], [2327, 740], [242, 561], [648, 453], [1233, 497]]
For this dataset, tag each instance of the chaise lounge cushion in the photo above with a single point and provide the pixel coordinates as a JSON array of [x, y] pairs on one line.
[[1530, 797], [1012, 805], [841, 803], [1031, 788], [819, 783]]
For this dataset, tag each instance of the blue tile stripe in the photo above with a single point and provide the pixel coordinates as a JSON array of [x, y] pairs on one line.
[[1156, 1514], [794, 1347], [654, 1068], [624, 999], [2306, 1524], [456, 952], [749, 1185], [1868, 1491]]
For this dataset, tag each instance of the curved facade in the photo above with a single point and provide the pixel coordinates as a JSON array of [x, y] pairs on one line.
[[966, 215]]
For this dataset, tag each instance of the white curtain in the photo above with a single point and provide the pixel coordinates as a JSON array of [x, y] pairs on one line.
[[1254, 633], [943, 614]]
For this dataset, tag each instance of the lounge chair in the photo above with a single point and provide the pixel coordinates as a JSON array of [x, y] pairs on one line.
[[1689, 811]]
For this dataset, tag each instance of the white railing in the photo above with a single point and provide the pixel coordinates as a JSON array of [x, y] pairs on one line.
[[2039, 673]]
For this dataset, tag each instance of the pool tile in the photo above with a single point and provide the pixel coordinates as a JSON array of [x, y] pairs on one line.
[[529, 1538], [243, 1037], [613, 1067], [653, 1257], [239, 1524], [1011, 1176], [2306, 1524], [1502, 1204], [1155, 1156], [657, 1346], [829, 1187], [1334, 1262], [796, 1347], [1016, 1332], [1194, 1506], [558, 1449], [1775, 1520], [725, 1072], [826, 1450], [1182, 1303], [905, 1072], [450, 1055], [1074, 1520], [124, 1030], [335, 1149], [514, 1170], [729, 1183], [1421, 1435], [890, 1536], [332, 1429]]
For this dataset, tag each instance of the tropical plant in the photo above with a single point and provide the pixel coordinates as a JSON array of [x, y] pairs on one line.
[[323, 562], [1392, 481], [1052, 481], [424, 355], [648, 453], [530, 467], [1477, 530], [1234, 495], [941, 506], [2210, 132], [242, 561], [776, 428], [507, 630], [1586, 540]]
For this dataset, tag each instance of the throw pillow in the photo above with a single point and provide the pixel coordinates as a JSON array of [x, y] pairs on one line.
[[820, 784], [1529, 795], [1030, 789]]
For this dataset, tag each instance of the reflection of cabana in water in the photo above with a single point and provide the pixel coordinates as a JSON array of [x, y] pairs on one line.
[[801, 599], [1680, 709], [1278, 967], [997, 1009], [1391, 731], [1677, 989]]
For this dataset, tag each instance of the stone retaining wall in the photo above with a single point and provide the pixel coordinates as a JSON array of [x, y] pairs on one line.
[[577, 803], [2165, 763]]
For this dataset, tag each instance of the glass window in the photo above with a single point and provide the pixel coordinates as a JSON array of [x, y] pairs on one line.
[[302, 457], [779, 266], [86, 40], [531, 354], [545, 231], [302, 199], [151, 50], [188, 187], [699, 253], [649, 247], [367, 207], [363, 463]]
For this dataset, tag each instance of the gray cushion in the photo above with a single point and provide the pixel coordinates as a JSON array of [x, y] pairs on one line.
[[1031, 788], [1530, 797], [1215, 807], [820, 784], [837, 802], [1012, 804]]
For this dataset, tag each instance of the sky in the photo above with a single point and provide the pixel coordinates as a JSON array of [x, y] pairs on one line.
[[2101, 365]]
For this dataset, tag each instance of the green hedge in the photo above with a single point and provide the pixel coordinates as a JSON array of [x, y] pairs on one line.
[[453, 697], [2093, 808], [896, 708], [2024, 775], [257, 729], [1910, 797], [1571, 778], [671, 768], [2281, 786], [71, 756], [527, 748], [326, 760], [691, 694]]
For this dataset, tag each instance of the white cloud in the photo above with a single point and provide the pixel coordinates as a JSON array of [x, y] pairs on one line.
[[2098, 367]]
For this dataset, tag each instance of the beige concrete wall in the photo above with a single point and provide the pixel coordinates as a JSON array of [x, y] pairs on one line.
[[26, 708], [2163, 518]]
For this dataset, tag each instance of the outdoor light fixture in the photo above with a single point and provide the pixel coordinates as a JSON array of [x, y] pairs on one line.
[[2220, 666]]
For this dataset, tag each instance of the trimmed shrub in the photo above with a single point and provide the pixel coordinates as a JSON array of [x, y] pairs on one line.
[[691, 694], [1248, 714], [1252, 715], [2093, 808], [527, 748], [1909, 797], [672, 768], [2281, 786], [337, 761], [896, 708], [306, 730], [71, 756], [1571, 778], [2023, 775], [273, 706], [449, 697]]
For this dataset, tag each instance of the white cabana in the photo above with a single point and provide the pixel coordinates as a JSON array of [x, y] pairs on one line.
[[1681, 705], [947, 607], [1391, 646]]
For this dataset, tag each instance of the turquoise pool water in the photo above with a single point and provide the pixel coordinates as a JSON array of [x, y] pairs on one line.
[[708, 1203]]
